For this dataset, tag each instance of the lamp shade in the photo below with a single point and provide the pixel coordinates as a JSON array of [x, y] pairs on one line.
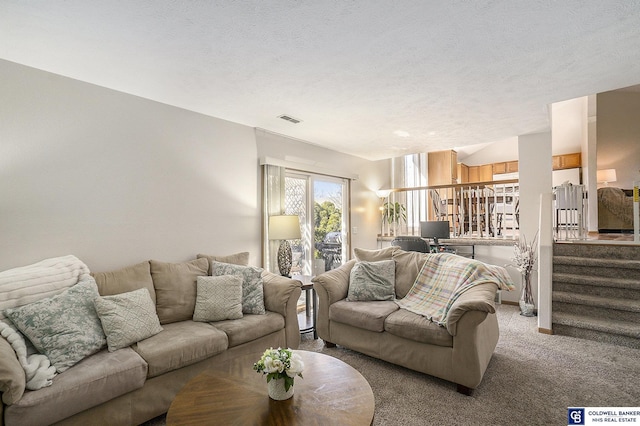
[[284, 227], [383, 193], [606, 175]]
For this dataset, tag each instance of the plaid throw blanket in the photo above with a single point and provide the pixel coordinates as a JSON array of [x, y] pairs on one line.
[[443, 278]]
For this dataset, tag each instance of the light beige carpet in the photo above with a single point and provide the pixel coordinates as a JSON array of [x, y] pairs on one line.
[[531, 379]]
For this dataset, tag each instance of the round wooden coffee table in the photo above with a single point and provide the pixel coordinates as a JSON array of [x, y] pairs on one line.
[[331, 393]]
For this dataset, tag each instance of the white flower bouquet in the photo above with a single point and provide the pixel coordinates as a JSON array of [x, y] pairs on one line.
[[525, 254], [280, 364]]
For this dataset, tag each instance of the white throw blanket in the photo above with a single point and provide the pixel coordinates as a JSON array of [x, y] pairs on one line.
[[27, 284], [37, 368]]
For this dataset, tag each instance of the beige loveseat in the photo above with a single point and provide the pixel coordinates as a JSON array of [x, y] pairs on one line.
[[134, 384], [458, 352]]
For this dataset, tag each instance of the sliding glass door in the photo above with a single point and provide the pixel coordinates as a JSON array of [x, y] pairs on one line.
[[321, 203]]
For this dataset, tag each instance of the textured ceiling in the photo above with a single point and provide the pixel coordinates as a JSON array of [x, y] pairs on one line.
[[373, 78]]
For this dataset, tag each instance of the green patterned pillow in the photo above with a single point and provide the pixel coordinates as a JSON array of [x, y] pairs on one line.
[[127, 318], [252, 290], [372, 281], [66, 327], [219, 298]]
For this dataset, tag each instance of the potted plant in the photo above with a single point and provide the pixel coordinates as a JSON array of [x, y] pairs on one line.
[[280, 366], [394, 213]]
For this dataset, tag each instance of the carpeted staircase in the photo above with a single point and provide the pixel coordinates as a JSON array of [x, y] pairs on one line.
[[596, 292]]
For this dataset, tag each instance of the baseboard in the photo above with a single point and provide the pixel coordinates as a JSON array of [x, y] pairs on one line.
[[510, 302], [545, 331]]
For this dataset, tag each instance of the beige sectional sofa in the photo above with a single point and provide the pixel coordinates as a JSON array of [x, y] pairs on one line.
[[458, 352], [131, 385]]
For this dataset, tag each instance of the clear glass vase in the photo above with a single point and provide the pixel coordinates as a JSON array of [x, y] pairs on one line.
[[527, 304]]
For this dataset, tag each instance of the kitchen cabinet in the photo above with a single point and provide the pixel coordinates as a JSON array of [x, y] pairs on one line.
[[463, 173], [567, 161], [443, 167], [482, 173]]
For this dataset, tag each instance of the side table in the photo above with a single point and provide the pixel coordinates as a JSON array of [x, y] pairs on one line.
[[310, 310]]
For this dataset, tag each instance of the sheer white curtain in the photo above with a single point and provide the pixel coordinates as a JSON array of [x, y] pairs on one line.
[[273, 180]]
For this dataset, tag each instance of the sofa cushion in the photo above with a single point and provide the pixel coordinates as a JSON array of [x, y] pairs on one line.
[[125, 280], [366, 315], [180, 344], [127, 318], [250, 327], [252, 285], [408, 266], [371, 281], [175, 285], [93, 381], [374, 255], [218, 298], [65, 327], [241, 258], [403, 323]]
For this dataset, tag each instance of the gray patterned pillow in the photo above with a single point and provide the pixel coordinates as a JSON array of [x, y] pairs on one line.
[[219, 298], [372, 281], [127, 318], [66, 327], [252, 291]]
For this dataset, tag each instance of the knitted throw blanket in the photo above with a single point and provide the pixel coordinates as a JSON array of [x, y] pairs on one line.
[[443, 278]]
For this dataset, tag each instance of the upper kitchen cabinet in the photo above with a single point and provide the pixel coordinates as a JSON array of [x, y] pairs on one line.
[[443, 167]]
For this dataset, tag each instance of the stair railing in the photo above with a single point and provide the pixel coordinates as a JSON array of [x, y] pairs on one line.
[[477, 210]]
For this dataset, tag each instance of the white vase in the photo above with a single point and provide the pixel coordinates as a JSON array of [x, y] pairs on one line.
[[276, 390]]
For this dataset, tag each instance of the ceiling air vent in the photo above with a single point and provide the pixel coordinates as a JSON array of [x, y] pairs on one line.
[[289, 118]]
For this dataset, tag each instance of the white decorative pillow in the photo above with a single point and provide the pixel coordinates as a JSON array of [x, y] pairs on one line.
[[372, 281], [218, 298], [66, 327], [252, 290], [127, 318]]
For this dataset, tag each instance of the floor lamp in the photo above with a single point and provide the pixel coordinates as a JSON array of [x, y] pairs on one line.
[[284, 228]]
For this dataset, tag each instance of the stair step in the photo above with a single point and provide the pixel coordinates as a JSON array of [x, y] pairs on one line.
[[606, 292], [596, 336], [590, 300], [626, 283], [596, 306], [597, 262], [623, 328], [598, 250]]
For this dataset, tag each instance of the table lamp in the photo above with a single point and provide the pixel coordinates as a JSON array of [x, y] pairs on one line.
[[606, 175], [284, 228]]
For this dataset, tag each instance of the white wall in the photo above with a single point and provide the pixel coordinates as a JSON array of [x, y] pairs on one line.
[[618, 131], [116, 179], [496, 152], [535, 181], [568, 119]]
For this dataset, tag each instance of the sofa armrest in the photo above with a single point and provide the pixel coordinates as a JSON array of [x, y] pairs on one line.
[[12, 378], [334, 283], [281, 295], [330, 287], [478, 298]]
